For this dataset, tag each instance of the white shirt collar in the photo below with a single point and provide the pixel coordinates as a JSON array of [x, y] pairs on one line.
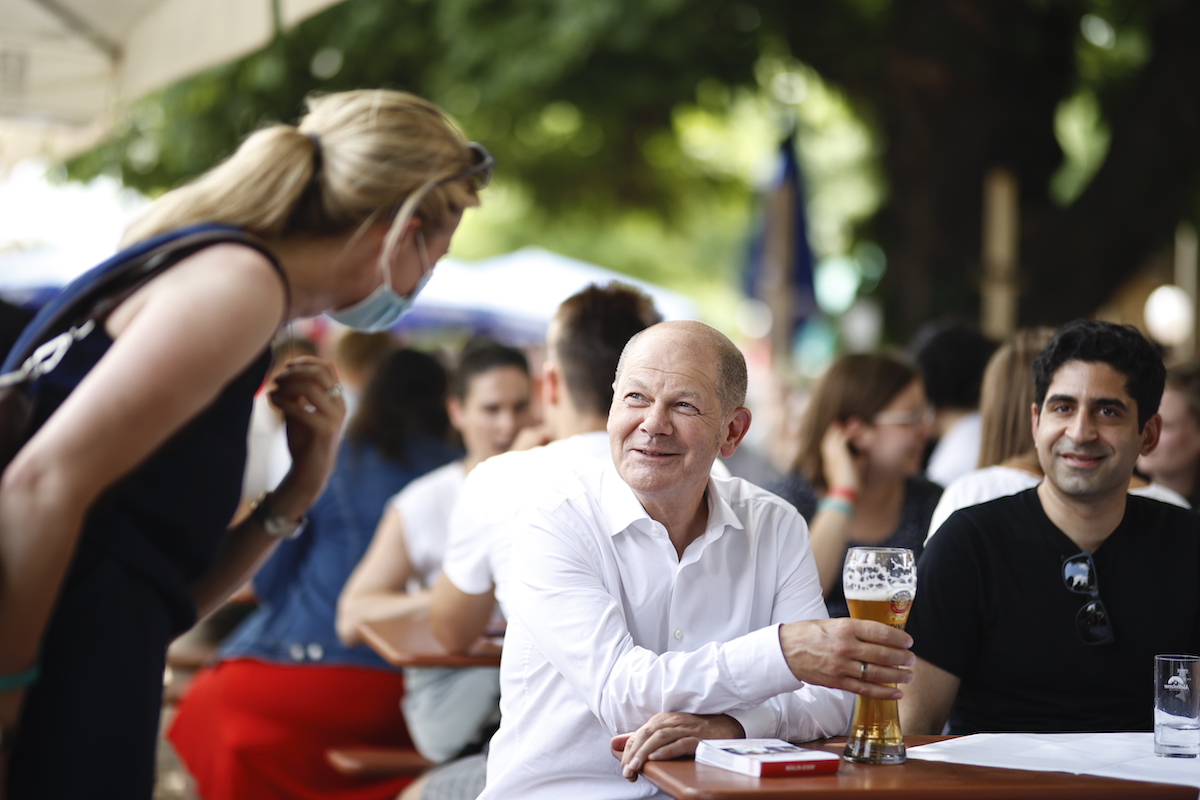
[[623, 511]]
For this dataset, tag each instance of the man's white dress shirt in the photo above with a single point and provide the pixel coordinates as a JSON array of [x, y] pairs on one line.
[[608, 626]]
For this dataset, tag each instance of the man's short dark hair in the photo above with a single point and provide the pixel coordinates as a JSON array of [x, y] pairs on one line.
[[951, 357], [1122, 347], [593, 326]]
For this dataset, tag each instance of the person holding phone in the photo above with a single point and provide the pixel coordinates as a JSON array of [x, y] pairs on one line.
[[855, 478]]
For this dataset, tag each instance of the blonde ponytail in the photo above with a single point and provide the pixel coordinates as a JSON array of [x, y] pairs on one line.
[[356, 157]]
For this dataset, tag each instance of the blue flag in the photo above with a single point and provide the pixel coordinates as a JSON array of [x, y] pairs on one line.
[[780, 265]]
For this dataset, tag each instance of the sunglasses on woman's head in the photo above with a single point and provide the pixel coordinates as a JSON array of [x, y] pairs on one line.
[[480, 172]]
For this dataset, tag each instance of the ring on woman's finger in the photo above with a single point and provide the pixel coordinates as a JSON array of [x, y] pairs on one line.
[[335, 391], [862, 673]]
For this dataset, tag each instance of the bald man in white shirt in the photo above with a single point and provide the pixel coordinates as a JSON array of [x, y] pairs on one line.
[[653, 605]]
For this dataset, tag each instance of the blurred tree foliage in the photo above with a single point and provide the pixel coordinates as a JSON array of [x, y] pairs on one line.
[[579, 101]]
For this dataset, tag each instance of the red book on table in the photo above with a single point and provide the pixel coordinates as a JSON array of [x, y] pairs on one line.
[[765, 758]]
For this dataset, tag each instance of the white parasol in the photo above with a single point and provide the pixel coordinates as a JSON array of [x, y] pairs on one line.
[[67, 66]]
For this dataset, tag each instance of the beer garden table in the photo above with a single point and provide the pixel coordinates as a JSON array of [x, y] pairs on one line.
[[913, 780], [406, 642], [409, 642]]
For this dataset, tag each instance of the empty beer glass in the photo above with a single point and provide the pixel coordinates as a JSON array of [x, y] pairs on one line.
[[880, 584]]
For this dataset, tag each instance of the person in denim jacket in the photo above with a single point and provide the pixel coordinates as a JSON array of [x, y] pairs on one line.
[[286, 689]]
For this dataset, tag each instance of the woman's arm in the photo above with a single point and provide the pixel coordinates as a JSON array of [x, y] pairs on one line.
[[829, 527], [178, 341], [313, 420], [376, 588]]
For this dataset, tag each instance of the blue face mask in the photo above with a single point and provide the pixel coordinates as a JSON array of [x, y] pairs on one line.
[[382, 308]]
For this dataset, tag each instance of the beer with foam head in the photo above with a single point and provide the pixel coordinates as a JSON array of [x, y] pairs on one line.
[[880, 584]]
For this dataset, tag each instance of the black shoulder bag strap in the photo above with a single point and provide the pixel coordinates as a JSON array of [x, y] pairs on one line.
[[75, 320]]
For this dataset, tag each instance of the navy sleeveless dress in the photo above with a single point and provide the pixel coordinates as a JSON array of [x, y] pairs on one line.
[[89, 725]]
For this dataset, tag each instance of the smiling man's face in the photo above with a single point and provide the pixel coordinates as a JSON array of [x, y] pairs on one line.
[[666, 425], [1087, 433]]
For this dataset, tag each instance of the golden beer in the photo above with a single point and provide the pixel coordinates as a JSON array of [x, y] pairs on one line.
[[880, 584], [890, 611]]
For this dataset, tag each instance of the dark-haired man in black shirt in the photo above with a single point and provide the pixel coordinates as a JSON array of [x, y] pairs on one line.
[[1042, 611]]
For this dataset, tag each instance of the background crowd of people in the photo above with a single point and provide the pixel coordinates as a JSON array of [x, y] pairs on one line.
[[369, 465]]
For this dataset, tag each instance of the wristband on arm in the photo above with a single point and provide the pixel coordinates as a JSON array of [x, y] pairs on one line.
[[844, 492], [835, 504], [15, 681]]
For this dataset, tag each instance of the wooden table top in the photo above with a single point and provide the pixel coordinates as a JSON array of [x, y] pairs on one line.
[[912, 780], [407, 642]]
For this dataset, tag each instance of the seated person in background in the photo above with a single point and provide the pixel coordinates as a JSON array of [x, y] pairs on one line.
[[951, 357], [356, 354], [1175, 463], [1007, 459], [1042, 611], [652, 605], [856, 478], [448, 710], [583, 343], [257, 725]]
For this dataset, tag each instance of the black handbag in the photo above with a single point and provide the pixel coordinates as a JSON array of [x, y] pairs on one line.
[[42, 351]]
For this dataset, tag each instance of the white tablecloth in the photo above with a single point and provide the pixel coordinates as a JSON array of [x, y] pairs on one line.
[[1110, 755]]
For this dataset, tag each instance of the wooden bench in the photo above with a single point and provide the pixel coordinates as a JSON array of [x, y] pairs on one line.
[[366, 762]]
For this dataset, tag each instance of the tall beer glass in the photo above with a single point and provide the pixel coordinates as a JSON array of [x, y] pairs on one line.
[[880, 584]]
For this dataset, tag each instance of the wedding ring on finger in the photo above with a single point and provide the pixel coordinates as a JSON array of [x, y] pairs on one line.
[[862, 673], [335, 391]]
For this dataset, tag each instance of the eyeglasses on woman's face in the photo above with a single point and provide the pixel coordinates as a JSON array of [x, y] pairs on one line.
[[907, 419]]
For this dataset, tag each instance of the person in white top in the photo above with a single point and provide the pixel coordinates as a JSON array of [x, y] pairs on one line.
[[1008, 461], [1000, 481], [952, 356], [489, 404], [652, 605]]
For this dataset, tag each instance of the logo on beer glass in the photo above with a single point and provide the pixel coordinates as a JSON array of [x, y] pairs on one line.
[[1178, 683], [901, 600]]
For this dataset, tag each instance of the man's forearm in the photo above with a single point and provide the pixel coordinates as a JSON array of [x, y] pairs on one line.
[[456, 618], [926, 704]]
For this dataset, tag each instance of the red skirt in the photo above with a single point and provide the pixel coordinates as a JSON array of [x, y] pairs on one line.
[[253, 729]]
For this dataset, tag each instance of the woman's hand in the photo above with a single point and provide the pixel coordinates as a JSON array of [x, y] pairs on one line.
[[843, 467], [313, 410], [310, 397], [830, 527]]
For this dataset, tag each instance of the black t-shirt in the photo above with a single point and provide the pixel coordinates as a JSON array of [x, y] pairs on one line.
[[992, 609]]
